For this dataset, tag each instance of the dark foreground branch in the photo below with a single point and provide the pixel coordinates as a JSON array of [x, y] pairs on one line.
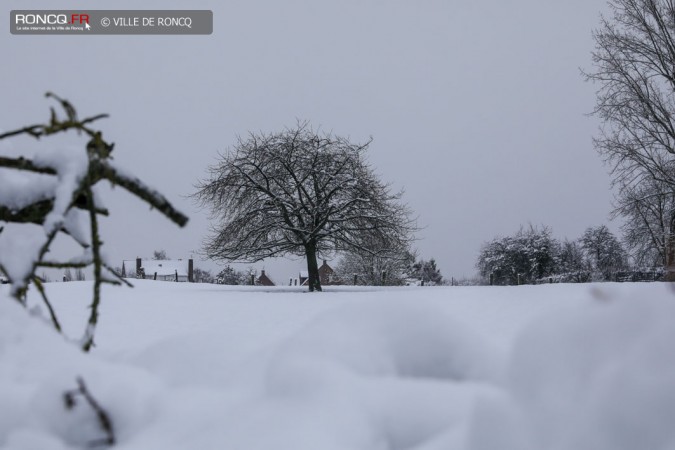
[[104, 421]]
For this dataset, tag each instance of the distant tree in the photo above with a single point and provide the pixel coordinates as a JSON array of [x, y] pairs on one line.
[[299, 192], [648, 210], [427, 272], [67, 275], [159, 255], [604, 251], [573, 266], [383, 266], [527, 256], [79, 274], [202, 276], [231, 276]]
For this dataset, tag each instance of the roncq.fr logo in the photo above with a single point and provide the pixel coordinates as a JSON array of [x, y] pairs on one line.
[[51, 19]]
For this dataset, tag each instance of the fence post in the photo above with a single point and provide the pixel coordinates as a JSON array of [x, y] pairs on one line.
[[252, 280], [356, 279], [492, 279]]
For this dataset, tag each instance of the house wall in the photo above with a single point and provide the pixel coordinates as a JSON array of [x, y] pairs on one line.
[[164, 275]]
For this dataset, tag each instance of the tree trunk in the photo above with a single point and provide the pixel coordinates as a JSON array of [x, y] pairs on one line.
[[313, 282]]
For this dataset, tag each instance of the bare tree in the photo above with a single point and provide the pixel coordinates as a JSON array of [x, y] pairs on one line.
[[634, 63], [604, 251], [388, 267], [202, 276], [299, 192], [649, 213], [572, 263]]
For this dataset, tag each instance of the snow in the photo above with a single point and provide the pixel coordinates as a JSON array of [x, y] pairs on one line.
[[19, 189], [180, 365], [71, 165], [20, 247], [20, 252]]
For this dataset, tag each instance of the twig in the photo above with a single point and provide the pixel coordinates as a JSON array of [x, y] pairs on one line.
[[103, 417], [96, 253], [41, 289], [98, 153]]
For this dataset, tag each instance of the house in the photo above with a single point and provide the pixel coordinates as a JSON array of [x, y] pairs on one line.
[[180, 270], [264, 280], [303, 278], [327, 276]]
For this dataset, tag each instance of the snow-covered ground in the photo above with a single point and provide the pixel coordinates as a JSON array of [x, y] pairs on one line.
[[193, 366]]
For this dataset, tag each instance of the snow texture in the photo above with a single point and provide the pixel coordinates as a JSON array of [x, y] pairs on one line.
[[71, 166], [527, 368], [19, 189], [20, 249]]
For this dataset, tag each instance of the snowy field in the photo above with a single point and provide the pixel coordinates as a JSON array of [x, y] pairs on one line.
[[194, 366]]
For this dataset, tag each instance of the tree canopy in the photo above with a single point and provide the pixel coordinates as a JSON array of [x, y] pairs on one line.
[[299, 192], [634, 60]]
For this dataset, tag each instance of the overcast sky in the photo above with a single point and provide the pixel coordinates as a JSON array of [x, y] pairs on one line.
[[477, 109]]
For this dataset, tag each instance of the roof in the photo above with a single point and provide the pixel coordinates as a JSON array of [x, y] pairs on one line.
[[265, 280], [161, 266]]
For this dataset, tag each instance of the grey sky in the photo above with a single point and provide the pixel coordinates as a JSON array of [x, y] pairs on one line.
[[477, 109]]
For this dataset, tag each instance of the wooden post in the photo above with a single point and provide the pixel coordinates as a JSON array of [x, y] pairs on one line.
[[384, 277], [518, 280], [252, 280], [492, 279], [356, 279], [155, 277], [176, 280]]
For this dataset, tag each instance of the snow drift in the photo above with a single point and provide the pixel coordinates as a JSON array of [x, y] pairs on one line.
[[547, 367]]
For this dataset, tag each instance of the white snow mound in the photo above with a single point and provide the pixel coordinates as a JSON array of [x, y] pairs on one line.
[[399, 373]]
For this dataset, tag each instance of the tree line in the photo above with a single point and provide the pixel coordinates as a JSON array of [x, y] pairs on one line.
[[368, 271], [533, 255]]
